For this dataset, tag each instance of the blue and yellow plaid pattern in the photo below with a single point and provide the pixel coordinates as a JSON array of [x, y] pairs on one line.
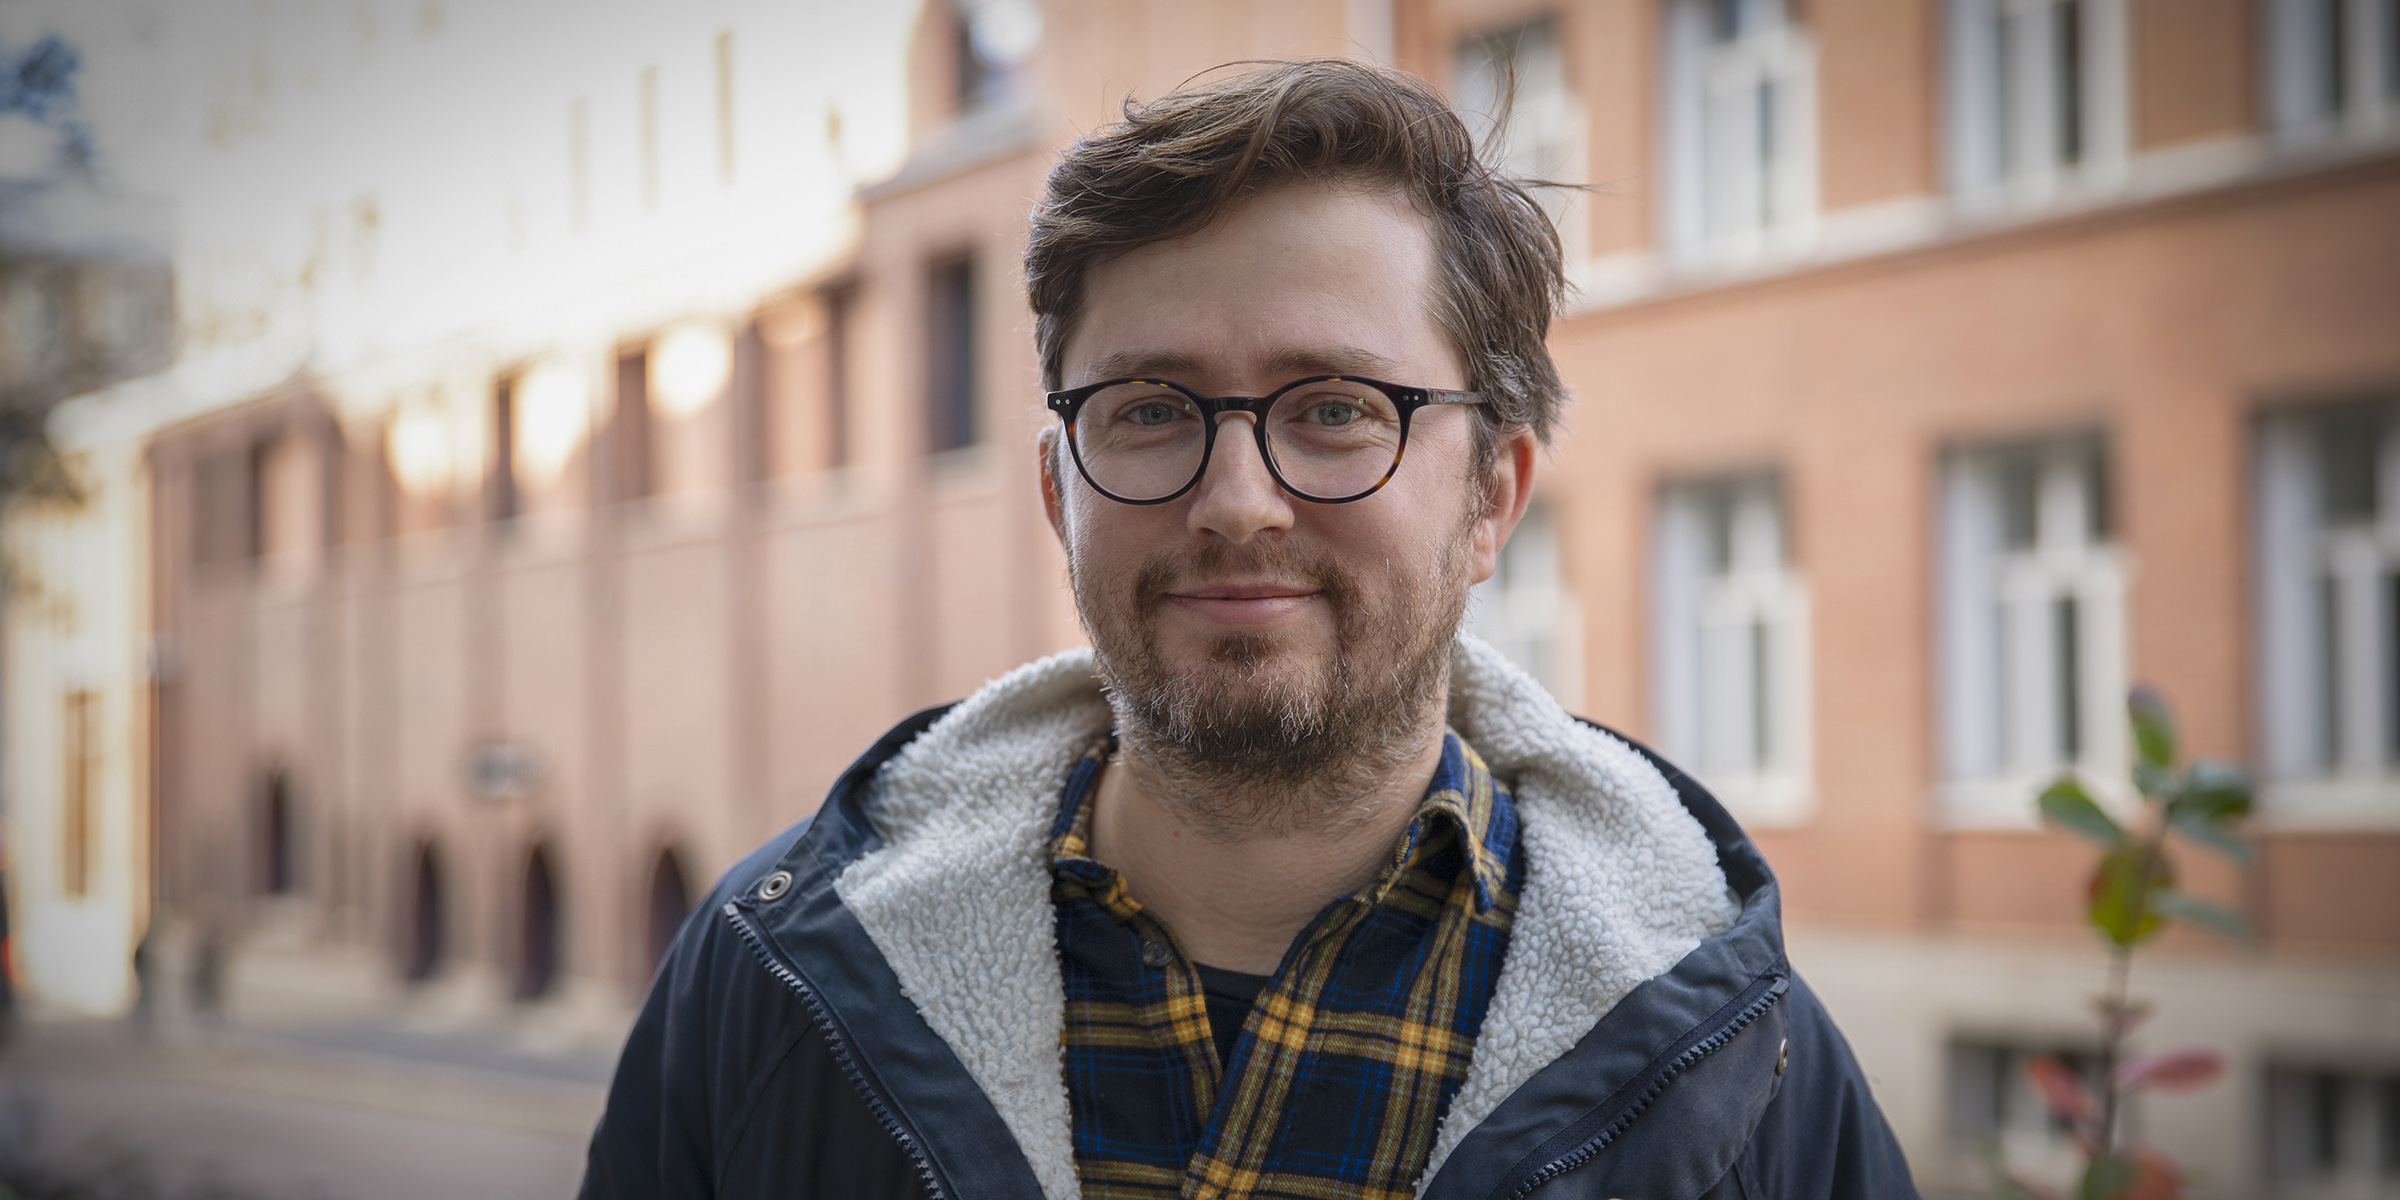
[[1349, 1057]]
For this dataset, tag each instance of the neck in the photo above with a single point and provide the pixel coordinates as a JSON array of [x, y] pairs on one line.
[[1236, 892]]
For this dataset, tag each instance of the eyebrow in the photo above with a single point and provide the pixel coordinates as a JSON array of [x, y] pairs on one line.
[[1296, 361]]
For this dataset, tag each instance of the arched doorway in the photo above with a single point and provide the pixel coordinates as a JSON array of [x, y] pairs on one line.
[[670, 903], [538, 940], [422, 953], [280, 875]]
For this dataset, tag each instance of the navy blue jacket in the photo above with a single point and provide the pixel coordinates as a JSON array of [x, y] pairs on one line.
[[776, 1056]]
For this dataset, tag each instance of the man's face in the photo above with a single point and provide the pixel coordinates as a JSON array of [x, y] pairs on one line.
[[1259, 633]]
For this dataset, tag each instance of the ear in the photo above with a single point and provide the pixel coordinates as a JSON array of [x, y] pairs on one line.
[[1504, 502], [1045, 449]]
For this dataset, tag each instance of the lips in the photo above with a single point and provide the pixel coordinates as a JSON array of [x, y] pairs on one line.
[[1243, 603]]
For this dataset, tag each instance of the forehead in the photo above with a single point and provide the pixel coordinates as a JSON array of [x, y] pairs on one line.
[[1302, 278]]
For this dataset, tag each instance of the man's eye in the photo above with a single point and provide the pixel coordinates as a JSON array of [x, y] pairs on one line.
[[1332, 413], [1157, 412]]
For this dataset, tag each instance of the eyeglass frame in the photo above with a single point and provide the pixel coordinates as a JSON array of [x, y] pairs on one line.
[[1408, 399]]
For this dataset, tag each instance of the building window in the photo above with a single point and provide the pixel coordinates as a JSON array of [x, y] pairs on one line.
[[1526, 611], [2333, 1132], [81, 747], [1740, 129], [579, 165], [670, 903], [2032, 626], [1513, 90], [538, 934], [725, 144], [421, 954], [840, 302], [501, 497], [2328, 550], [1729, 645], [1994, 1104], [991, 41], [950, 358], [753, 411], [280, 874], [2037, 97], [630, 430], [292, 502], [646, 118], [2333, 67], [227, 525]]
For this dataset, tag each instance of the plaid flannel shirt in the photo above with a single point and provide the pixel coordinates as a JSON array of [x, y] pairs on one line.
[[1350, 1055]]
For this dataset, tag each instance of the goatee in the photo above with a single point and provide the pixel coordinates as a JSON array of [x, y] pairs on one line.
[[1257, 738]]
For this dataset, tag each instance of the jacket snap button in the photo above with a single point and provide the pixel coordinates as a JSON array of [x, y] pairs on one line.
[[1156, 954], [1783, 1052], [774, 886]]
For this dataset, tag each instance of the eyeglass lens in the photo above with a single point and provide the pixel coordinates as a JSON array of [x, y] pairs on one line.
[[1333, 438]]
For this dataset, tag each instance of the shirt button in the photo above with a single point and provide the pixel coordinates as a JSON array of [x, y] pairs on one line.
[[1157, 954]]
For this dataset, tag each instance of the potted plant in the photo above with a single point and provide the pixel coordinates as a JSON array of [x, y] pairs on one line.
[[2132, 898]]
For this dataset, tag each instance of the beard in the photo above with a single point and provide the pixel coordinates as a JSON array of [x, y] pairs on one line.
[[1256, 736]]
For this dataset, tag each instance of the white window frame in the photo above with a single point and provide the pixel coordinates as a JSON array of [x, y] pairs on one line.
[[2003, 95], [2003, 703], [1726, 204], [1730, 646], [2362, 1168], [2297, 39], [1527, 611], [1544, 136], [2357, 785], [2030, 1139]]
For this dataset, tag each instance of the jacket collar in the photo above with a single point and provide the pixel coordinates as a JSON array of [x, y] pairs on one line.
[[952, 884], [1461, 800]]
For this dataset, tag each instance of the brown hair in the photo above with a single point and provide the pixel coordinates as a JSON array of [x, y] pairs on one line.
[[1178, 162]]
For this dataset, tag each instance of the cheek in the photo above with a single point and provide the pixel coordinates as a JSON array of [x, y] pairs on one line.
[[1102, 546]]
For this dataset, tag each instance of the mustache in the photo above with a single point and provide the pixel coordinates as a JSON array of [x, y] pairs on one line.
[[1159, 577]]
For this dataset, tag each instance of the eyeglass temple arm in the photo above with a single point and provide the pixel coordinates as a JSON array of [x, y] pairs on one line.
[[1441, 396]]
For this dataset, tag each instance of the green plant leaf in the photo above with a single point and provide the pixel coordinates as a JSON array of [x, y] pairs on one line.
[[2218, 791], [2152, 779], [2213, 834], [2197, 911], [2107, 1178], [2067, 805], [2153, 727], [2122, 890]]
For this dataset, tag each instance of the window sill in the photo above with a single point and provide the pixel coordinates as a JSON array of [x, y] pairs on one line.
[[2368, 802], [2011, 803], [1911, 223], [1766, 801]]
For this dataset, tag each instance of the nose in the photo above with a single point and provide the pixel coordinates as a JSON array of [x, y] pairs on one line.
[[1237, 498]]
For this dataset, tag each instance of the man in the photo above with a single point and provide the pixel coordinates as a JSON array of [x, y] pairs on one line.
[[1282, 889]]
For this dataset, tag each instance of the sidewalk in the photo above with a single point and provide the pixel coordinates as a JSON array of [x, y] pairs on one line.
[[307, 1113]]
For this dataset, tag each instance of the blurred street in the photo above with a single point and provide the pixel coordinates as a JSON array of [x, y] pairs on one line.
[[97, 1108]]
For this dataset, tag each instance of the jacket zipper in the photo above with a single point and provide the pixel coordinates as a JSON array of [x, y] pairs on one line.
[[1762, 995], [840, 1046]]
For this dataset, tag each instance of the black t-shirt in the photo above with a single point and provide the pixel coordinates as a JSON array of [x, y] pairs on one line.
[[1229, 995]]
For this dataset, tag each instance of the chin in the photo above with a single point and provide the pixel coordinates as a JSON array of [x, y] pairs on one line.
[[1252, 654]]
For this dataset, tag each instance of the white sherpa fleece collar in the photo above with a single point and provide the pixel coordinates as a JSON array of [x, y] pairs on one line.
[[1620, 884]]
